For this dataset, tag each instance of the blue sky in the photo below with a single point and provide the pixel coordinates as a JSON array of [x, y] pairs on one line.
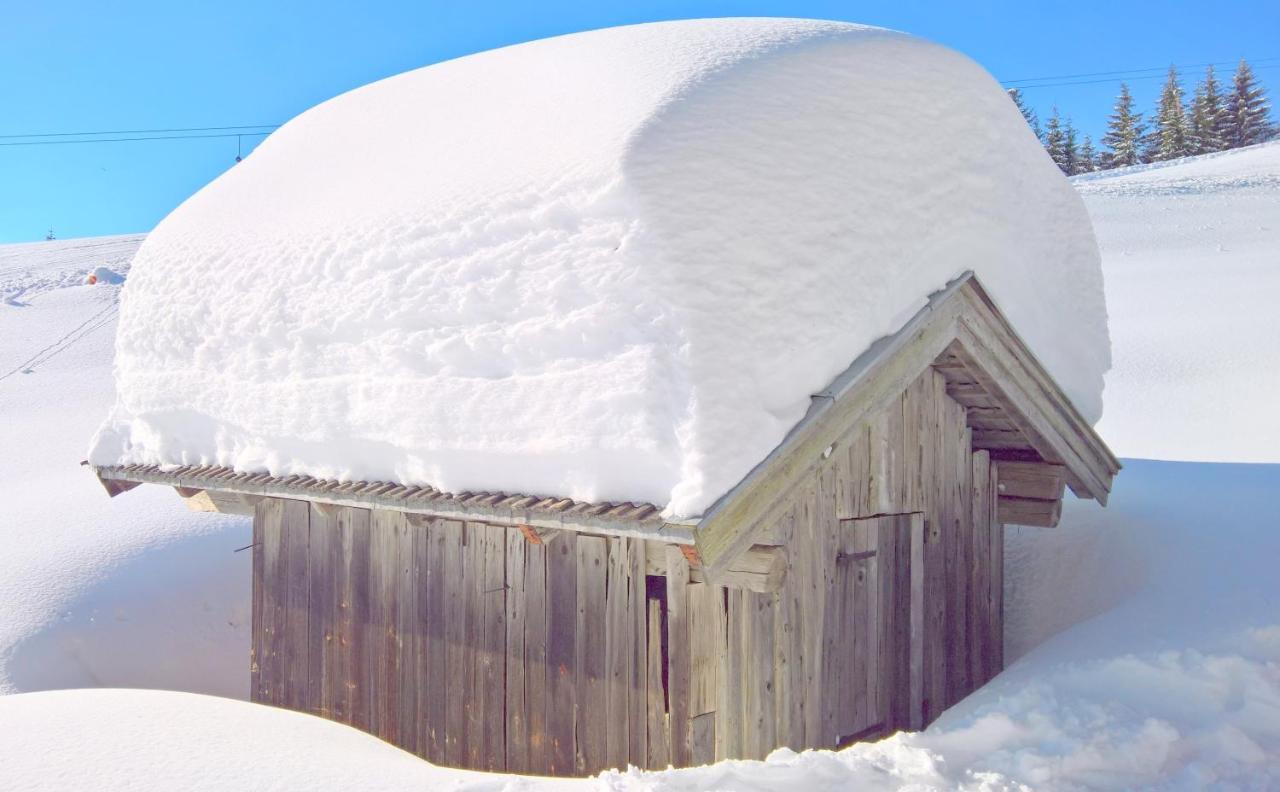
[[77, 66]]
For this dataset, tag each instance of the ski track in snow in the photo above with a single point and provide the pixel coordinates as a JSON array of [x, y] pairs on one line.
[[1143, 639]]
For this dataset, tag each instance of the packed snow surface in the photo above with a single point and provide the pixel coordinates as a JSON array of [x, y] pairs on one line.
[[611, 266]]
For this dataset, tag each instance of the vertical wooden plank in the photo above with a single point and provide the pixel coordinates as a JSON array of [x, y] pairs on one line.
[[412, 547], [915, 718], [980, 569], [591, 626], [492, 665], [702, 738], [517, 699], [321, 612], [562, 612], [997, 577], [535, 648], [383, 635], [706, 620], [788, 653], [453, 561], [356, 625], [295, 527], [432, 547], [935, 645], [268, 561], [617, 646], [470, 677], [729, 712], [637, 694], [759, 734], [678, 682], [659, 755]]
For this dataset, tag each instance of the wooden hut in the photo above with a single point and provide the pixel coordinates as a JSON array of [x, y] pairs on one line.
[[848, 587]]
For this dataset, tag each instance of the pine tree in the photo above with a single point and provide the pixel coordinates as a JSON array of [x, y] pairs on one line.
[[1169, 138], [1087, 162], [1124, 132], [1246, 117], [1070, 149], [1055, 140], [1030, 115], [1208, 116]]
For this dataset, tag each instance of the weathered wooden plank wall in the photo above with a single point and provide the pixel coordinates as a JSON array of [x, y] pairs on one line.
[[471, 646], [466, 644]]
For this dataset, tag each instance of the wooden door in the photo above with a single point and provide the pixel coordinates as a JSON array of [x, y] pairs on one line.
[[874, 628]]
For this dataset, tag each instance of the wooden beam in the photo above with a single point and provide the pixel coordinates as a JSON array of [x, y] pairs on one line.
[[1036, 480], [1026, 511]]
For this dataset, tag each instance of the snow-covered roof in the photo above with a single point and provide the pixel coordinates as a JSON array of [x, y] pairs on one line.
[[611, 266]]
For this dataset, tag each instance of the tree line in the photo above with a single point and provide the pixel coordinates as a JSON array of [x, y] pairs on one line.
[[1215, 119]]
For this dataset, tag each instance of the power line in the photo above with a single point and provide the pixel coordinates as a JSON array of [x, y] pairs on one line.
[[131, 139], [142, 131], [1115, 75], [1121, 79]]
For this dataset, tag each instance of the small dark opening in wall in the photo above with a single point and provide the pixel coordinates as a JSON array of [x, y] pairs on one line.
[[655, 587]]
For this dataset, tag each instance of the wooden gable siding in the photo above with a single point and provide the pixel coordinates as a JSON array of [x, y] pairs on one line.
[[802, 657]]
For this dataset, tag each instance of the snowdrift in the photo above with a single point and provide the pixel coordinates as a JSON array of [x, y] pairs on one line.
[[610, 266]]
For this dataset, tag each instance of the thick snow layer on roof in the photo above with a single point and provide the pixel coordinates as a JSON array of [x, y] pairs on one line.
[[610, 266]]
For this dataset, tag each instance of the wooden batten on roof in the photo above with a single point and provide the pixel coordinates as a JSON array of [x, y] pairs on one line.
[[217, 488]]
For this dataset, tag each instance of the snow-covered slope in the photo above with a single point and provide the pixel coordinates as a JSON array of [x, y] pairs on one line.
[[1192, 261], [131, 591], [612, 266]]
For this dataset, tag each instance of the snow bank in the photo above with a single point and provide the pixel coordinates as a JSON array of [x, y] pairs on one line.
[[97, 591], [1190, 250], [611, 265], [1176, 687]]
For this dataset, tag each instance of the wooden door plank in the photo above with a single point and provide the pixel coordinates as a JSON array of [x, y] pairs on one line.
[[659, 740]]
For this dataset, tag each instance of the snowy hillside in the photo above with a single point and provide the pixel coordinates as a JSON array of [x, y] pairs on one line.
[[1146, 635], [133, 591], [1192, 263]]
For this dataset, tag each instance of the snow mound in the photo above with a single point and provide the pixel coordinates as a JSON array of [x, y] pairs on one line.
[[610, 266]]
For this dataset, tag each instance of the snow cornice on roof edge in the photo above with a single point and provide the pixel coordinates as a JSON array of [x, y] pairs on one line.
[[961, 320]]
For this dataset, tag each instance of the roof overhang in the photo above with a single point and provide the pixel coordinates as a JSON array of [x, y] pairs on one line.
[[962, 328]]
